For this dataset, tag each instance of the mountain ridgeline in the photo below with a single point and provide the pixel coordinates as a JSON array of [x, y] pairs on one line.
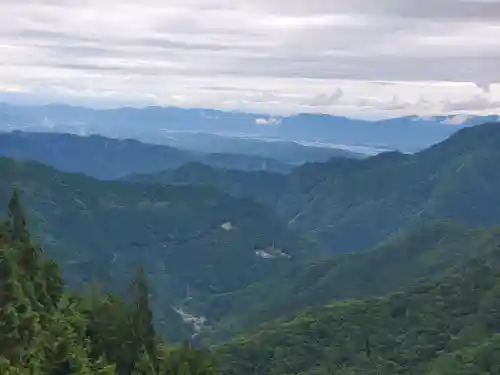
[[193, 240], [387, 265], [170, 125], [427, 252], [445, 327], [109, 159], [334, 202]]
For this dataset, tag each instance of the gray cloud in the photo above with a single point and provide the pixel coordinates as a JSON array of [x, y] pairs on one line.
[[477, 103], [262, 55], [327, 99]]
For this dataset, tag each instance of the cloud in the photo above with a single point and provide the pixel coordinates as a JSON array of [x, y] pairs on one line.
[[456, 120], [327, 99], [268, 121], [351, 57], [477, 103]]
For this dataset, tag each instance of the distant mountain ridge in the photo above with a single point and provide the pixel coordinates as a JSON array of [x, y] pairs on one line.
[[378, 196], [95, 155], [241, 246], [410, 133], [107, 158]]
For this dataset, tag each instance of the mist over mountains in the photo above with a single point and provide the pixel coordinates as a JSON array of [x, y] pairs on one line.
[[269, 241], [109, 158], [266, 187], [180, 127]]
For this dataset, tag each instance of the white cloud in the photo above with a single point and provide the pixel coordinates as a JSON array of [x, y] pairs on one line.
[[356, 57], [268, 121], [456, 120], [476, 103]]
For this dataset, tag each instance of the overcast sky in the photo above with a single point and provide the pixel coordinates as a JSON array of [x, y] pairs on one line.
[[360, 58]]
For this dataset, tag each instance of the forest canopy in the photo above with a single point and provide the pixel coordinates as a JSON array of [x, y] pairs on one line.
[[45, 329]]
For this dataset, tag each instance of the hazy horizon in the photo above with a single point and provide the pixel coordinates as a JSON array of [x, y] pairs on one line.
[[77, 103], [360, 59]]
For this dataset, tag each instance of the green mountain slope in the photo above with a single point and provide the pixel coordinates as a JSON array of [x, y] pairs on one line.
[[333, 202], [192, 240], [481, 358], [47, 330], [262, 186], [436, 327], [426, 252]]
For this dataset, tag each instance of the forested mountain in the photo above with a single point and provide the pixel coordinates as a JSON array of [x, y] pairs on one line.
[[335, 201], [445, 327], [243, 162], [449, 326], [95, 156], [46, 331], [426, 252], [262, 186], [191, 240], [109, 159], [407, 280]]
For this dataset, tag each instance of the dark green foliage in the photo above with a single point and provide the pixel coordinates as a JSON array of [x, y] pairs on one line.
[[142, 317], [436, 327], [46, 331], [445, 324], [17, 221], [109, 329], [102, 230], [352, 205], [185, 360], [262, 186], [481, 358], [428, 251]]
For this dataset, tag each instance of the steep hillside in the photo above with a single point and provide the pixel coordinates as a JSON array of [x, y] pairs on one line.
[[47, 330], [427, 252], [262, 186], [428, 329], [193, 240], [378, 197], [335, 201]]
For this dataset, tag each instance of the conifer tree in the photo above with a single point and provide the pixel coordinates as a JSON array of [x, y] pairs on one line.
[[145, 365], [47, 331], [16, 217], [20, 237], [142, 317], [53, 285]]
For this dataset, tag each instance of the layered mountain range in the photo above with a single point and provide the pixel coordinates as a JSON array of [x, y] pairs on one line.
[[331, 202], [387, 264], [109, 158], [181, 127]]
